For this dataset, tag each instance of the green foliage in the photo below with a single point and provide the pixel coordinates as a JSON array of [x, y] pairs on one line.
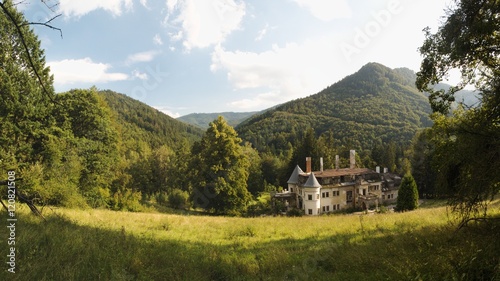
[[467, 146], [294, 212], [203, 119], [87, 116], [220, 170], [374, 105], [255, 182], [139, 121], [24, 103], [421, 154], [178, 199], [407, 195]]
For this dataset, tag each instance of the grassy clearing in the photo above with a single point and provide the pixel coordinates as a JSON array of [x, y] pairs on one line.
[[106, 245]]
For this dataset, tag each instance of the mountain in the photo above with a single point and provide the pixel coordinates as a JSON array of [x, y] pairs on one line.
[[376, 104], [467, 97], [203, 119], [142, 122]]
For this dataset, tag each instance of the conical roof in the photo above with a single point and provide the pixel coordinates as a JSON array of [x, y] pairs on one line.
[[312, 181], [294, 178]]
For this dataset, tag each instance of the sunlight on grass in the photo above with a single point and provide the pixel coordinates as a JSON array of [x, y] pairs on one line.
[[101, 244]]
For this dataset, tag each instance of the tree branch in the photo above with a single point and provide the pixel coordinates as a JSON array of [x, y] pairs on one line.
[[28, 54], [46, 24]]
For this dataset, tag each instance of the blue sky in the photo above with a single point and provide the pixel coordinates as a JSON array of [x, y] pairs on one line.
[[185, 56]]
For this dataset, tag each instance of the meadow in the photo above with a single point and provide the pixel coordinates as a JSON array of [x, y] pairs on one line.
[[108, 245]]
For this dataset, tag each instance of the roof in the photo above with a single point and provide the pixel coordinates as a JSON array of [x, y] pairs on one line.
[[312, 181], [294, 178], [341, 172]]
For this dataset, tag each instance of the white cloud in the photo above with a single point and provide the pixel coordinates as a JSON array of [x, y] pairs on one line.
[[142, 57], [283, 73], [262, 100], [79, 8], [262, 33], [144, 3], [201, 23], [72, 71], [157, 40], [327, 10], [142, 76], [167, 110]]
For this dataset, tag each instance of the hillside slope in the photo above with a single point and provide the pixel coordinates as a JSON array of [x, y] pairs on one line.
[[203, 119], [140, 121], [376, 104]]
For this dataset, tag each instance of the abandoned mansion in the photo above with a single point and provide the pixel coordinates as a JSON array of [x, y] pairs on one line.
[[324, 191]]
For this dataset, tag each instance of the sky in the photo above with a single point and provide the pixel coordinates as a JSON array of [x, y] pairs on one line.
[[201, 56]]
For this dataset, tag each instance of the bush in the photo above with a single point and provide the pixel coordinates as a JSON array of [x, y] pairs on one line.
[[178, 199], [294, 212]]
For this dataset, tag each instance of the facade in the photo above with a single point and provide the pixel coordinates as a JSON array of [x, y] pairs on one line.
[[331, 190]]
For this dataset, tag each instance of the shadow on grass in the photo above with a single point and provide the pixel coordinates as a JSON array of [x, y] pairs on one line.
[[59, 249]]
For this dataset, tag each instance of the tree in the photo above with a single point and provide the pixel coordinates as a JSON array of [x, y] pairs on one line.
[[220, 170], [421, 154], [88, 117], [407, 195], [24, 109], [468, 144]]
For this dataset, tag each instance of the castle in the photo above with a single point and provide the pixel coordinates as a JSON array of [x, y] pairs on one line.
[[324, 191]]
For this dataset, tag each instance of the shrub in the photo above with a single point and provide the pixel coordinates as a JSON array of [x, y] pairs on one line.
[[178, 199], [294, 212]]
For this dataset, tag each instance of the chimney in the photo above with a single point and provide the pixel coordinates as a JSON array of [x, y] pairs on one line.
[[377, 169], [337, 162], [352, 158], [386, 170], [321, 164], [308, 164]]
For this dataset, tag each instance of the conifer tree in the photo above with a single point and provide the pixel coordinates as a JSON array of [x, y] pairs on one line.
[[408, 194]]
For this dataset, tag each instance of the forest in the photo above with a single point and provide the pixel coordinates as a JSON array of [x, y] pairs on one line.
[[100, 149]]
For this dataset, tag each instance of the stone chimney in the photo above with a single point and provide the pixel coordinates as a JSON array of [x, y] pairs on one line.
[[337, 162], [352, 158], [386, 170], [321, 164], [308, 164], [377, 169]]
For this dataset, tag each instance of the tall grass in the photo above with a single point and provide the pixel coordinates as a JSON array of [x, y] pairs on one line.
[[107, 245]]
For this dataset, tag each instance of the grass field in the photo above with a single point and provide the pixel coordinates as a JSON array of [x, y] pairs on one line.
[[107, 245]]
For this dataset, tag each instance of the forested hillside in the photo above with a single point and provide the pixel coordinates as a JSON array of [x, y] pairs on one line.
[[371, 107], [141, 121], [203, 119]]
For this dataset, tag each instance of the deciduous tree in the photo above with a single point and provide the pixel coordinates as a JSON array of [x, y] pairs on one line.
[[468, 141], [220, 170]]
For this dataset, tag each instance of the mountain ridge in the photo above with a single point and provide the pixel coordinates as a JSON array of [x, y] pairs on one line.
[[375, 104]]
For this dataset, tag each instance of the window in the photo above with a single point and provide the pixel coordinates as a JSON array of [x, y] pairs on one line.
[[291, 189], [335, 193], [324, 209], [309, 197], [325, 194], [310, 211], [328, 208], [349, 196]]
